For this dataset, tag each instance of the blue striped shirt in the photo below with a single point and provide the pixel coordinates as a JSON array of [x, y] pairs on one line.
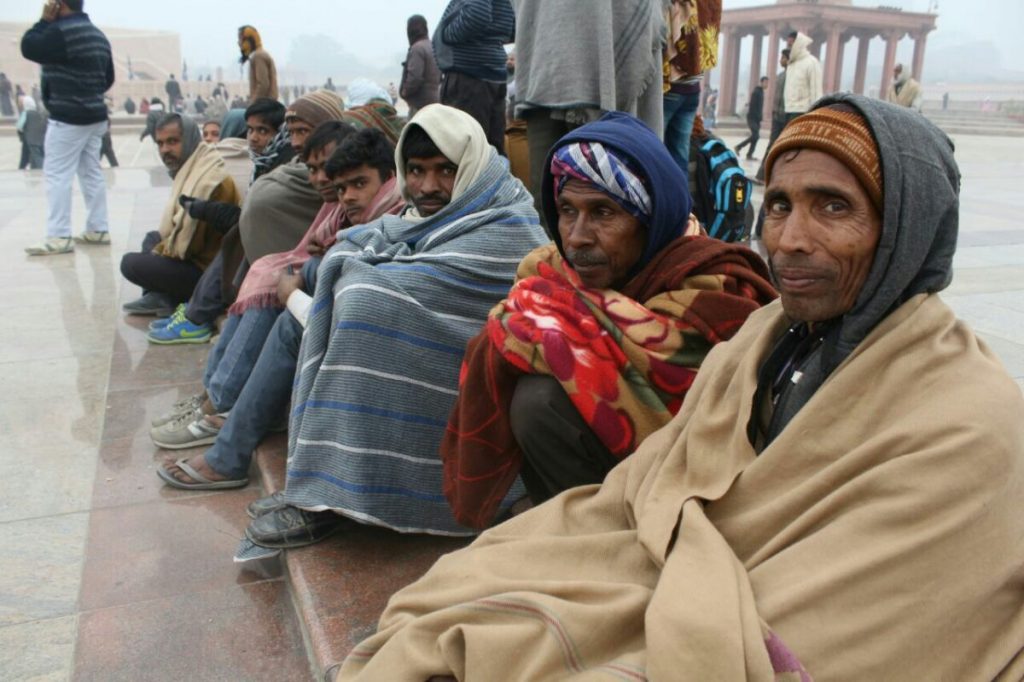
[[477, 31], [77, 67]]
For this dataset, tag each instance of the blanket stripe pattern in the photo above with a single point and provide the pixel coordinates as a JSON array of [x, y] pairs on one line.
[[395, 304]]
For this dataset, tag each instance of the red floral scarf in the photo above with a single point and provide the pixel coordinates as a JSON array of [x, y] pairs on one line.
[[626, 359]]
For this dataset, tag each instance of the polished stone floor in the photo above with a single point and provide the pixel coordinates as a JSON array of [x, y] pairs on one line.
[[105, 574]]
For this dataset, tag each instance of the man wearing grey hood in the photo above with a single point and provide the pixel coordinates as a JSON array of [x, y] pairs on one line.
[[838, 497], [174, 257]]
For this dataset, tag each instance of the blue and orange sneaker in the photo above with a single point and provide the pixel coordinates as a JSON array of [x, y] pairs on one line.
[[161, 322], [181, 330]]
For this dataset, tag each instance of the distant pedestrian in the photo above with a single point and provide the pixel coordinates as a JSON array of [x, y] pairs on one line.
[[755, 112], [905, 91], [474, 33], [711, 110], [77, 69], [329, 85], [31, 128], [778, 112], [421, 78], [6, 89], [803, 77], [173, 90], [262, 71], [945, 101], [129, 106], [107, 148]]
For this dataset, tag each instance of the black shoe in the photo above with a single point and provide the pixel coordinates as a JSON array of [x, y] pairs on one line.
[[151, 303], [290, 527], [265, 505]]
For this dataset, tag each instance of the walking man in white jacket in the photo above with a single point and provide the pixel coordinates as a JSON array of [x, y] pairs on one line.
[[803, 77]]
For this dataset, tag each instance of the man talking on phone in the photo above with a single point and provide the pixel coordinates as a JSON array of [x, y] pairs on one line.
[[77, 69]]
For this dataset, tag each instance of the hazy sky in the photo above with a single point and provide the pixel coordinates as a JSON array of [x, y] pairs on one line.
[[375, 29]]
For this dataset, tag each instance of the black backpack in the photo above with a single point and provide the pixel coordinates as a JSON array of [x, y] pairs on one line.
[[721, 196]]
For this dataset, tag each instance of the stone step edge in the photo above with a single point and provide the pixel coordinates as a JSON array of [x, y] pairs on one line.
[[270, 458], [339, 587]]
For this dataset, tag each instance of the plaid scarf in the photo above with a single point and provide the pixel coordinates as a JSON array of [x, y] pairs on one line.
[[277, 152]]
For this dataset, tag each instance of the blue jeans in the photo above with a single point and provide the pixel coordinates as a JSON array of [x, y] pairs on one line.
[[231, 361], [680, 111], [262, 402]]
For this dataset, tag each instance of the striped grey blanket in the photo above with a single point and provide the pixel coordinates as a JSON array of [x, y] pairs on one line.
[[395, 303]]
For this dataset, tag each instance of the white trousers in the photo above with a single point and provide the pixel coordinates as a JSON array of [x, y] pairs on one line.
[[71, 149]]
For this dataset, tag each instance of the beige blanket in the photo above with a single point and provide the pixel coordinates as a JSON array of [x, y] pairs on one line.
[[880, 536], [199, 177]]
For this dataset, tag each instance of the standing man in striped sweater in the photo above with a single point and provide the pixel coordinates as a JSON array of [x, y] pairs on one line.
[[77, 70], [472, 36]]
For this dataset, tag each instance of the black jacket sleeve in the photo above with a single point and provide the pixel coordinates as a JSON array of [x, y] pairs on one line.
[[220, 215], [44, 44]]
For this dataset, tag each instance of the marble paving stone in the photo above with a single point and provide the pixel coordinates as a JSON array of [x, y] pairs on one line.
[[83, 374], [54, 330], [59, 480], [41, 651], [983, 280], [1010, 354], [126, 474], [148, 551], [73, 415], [988, 318], [42, 567], [158, 365], [239, 633], [130, 412], [375, 563]]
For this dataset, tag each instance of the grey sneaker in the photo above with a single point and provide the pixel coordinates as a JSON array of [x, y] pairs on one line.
[[90, 237], [188, 430], [51, 246], [152, 303], [183, 406]]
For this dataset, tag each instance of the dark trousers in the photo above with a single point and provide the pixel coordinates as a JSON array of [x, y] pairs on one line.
[[560, 450], [31, 156], [542, 132], [483, 100], [207, 301], [778, 123], [107, 150], [261, 403], [755, 135], [153, 272]]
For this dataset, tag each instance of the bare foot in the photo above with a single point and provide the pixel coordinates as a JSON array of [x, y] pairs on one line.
[[199, 464]]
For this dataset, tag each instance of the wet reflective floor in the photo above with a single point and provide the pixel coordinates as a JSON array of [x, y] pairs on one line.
[[106, 574]]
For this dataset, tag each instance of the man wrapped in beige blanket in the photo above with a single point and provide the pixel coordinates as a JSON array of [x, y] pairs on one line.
[[839, 497]]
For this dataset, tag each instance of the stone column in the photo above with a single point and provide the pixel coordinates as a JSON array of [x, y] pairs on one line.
[[829, 76], [728, 37], [730, 72], [755, 63], [863, 44], [771, 69], [892, 39], [919, 43], [843, 39]]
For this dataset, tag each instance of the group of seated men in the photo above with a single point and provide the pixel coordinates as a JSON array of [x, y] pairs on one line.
[[722, 483]]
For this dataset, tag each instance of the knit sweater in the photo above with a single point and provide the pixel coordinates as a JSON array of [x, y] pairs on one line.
[[477, 31], [77, 67]]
